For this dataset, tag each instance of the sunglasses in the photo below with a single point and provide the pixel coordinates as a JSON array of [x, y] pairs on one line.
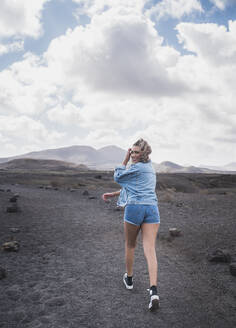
[[134, 152]]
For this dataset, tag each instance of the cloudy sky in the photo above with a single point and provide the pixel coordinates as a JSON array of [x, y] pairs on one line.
[[96, 72]]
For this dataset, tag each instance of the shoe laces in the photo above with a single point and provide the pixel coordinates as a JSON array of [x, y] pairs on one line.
[[150, 292]]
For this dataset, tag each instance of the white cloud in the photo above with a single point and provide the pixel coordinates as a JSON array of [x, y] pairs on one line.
[[11, 47], [210, 41], [92, 7], [211, 72], [21, 18], [67, 115], [25, 134], [175, 8], [99, 138], [27, 87], [222, 4], [26, 128], [113, 81], [118, 52]]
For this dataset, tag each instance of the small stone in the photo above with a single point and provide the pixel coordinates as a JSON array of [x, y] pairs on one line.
[[13, 199], [219, 255], [85, 193], [72, 190], [49, 187], [98, 176], [174, 232], [3, 190], [14, 230], [57, 301], [11, 246], [3, 273], [179, 204], [117, 208], [232, 268], [92, 197], [13, 208]]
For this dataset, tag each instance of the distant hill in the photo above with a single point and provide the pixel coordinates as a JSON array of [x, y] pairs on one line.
[[42, 165], [228, 167], [170, 167], [112, 154], [167, 166], [106, 158]]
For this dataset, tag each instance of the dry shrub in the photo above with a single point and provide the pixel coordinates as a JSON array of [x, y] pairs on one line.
[[213, 199], [204, 192], [54, 184], [92, 186]]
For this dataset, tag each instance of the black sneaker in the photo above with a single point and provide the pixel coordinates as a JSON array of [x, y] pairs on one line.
[[128, 281], [154, 300]]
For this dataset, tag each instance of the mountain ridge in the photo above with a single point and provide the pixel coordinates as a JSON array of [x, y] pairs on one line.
[[106, 158]]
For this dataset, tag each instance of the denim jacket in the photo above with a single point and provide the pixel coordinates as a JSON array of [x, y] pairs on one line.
[[138, 184]]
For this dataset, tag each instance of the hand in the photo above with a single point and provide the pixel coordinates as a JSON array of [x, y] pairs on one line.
[[127, 157], [106, 196]]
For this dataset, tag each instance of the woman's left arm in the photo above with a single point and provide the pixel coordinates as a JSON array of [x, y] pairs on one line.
[[110, 194]]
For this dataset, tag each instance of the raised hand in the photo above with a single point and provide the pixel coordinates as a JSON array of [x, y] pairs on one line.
[[127, 157]]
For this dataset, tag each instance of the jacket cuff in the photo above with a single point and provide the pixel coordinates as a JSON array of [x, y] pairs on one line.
[[123, 167]]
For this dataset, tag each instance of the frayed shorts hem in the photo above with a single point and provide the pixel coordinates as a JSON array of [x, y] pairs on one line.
[[138, 225]]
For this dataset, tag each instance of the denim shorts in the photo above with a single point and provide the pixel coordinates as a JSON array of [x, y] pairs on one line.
[[138, 213]]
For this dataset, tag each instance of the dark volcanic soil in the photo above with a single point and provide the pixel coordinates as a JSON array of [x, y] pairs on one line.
[[68, 270]]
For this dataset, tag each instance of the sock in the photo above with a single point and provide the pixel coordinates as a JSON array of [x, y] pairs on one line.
[[129, 280], [153, 290]]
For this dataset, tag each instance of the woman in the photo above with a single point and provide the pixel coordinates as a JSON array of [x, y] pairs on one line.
[[141, 212]]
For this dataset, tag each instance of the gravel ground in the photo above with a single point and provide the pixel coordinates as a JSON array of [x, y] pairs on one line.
[[68, 270]]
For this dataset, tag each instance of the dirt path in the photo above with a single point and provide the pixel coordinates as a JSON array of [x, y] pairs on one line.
[[68, 271]]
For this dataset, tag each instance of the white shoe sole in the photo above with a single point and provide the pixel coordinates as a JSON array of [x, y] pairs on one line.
[[127, 286], [154, 303]]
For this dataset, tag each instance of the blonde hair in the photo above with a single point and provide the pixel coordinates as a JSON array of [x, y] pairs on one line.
[[145, 150]]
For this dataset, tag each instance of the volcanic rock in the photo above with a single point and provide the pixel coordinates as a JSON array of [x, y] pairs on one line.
[[179, 204], [174, 232], [14, 230], [219, 255], [13, 209], [11, 246], [3, 273], [13, 199], [232, 268]]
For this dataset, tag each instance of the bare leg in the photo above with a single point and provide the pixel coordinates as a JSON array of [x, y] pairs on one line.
[[131, 233], [149, 234]]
